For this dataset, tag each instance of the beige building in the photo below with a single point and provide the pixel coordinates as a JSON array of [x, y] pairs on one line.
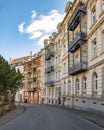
[[78, 57], [18, 64]]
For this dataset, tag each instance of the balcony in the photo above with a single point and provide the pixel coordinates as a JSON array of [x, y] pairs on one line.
[[79, 39], [49, 69], [50, 83], [76, 15], [29, 70], [78, 68], [34, 69], [31, 79], [30, 89], [49, 55]]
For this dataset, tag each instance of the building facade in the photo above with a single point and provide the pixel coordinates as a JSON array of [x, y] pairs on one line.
[[32, 79], [18, 64], [78, 58]]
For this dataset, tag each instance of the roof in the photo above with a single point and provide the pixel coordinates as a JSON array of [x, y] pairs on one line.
[[18, 60]]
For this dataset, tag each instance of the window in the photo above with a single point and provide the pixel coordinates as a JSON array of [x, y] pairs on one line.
[[95, 87], [84, 83], [94, 48], [69, 86], [64, 87], [94, 15], [102, 5], [39, 74], [56, 75], [38, 84], [103, 40], [59, 59], [64, 67], [77, 85], [56, 60]]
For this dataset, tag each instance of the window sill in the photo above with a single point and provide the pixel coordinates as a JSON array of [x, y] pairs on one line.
[[93, 24], [102, 52], [101, 14], [94, 58]]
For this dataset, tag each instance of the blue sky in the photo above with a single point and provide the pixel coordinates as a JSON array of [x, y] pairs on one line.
[[25, 23]]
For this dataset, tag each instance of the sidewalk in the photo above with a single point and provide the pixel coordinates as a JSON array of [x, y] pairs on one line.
[[92, 116], [11, 115]]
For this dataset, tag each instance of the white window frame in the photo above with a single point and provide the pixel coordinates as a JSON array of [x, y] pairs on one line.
[[84, 83], [102, 5], [77, 85], [102, 40], [93, 15], [95, 82], [94, 48]]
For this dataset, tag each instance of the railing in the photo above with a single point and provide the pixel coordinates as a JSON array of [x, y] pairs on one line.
[[81, 7], [77, 68], [49, 55], [32, 79], [80, 37], [31, 89], [49, 69], [30, 70], [50, 83]]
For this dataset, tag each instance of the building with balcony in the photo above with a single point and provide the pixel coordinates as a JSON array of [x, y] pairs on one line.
[[18, 64], [48, 61], [32, 78]]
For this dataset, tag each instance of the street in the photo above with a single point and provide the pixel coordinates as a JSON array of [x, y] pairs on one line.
[[44, 117]]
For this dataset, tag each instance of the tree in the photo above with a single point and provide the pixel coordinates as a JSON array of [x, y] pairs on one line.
[[9, 78]]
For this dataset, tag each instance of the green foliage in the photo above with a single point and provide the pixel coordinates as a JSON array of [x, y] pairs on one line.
[[9, 78]]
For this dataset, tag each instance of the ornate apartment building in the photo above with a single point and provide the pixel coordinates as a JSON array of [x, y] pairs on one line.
[[32, 79], [18, 64], [74, 59]]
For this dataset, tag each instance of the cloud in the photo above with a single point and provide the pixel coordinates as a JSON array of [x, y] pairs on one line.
[[21, 27], [42, 26]]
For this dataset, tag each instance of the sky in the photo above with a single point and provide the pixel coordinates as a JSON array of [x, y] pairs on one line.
[[24, 24]]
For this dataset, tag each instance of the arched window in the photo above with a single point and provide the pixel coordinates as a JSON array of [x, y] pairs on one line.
[[69, 86], [38, 84], [38, 63], [84, 83], [39, 73], [77, 85], [95, 85], [64, 87]]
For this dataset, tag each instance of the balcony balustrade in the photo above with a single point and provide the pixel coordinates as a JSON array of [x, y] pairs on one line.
[[49, 69], [80, 38], [75, 18], [49, 55], [77, 68], [50, 83], [31, 89], [31, 79], [30, 70]]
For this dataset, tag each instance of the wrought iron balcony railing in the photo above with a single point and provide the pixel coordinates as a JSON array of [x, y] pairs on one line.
[[31, 79], [31, 89], [49, 69], [49, 55], [75, 18], [50, 83], [80, 38], [77, 68]]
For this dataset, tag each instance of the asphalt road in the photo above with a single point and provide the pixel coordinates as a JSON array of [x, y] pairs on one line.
[[42, 117]]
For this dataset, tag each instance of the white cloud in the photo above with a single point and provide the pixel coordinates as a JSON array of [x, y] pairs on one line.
[[36, 35], [21, 27], [43, 25]]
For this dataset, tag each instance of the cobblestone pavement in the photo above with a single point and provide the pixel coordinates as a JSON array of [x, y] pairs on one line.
[[11, 115]]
